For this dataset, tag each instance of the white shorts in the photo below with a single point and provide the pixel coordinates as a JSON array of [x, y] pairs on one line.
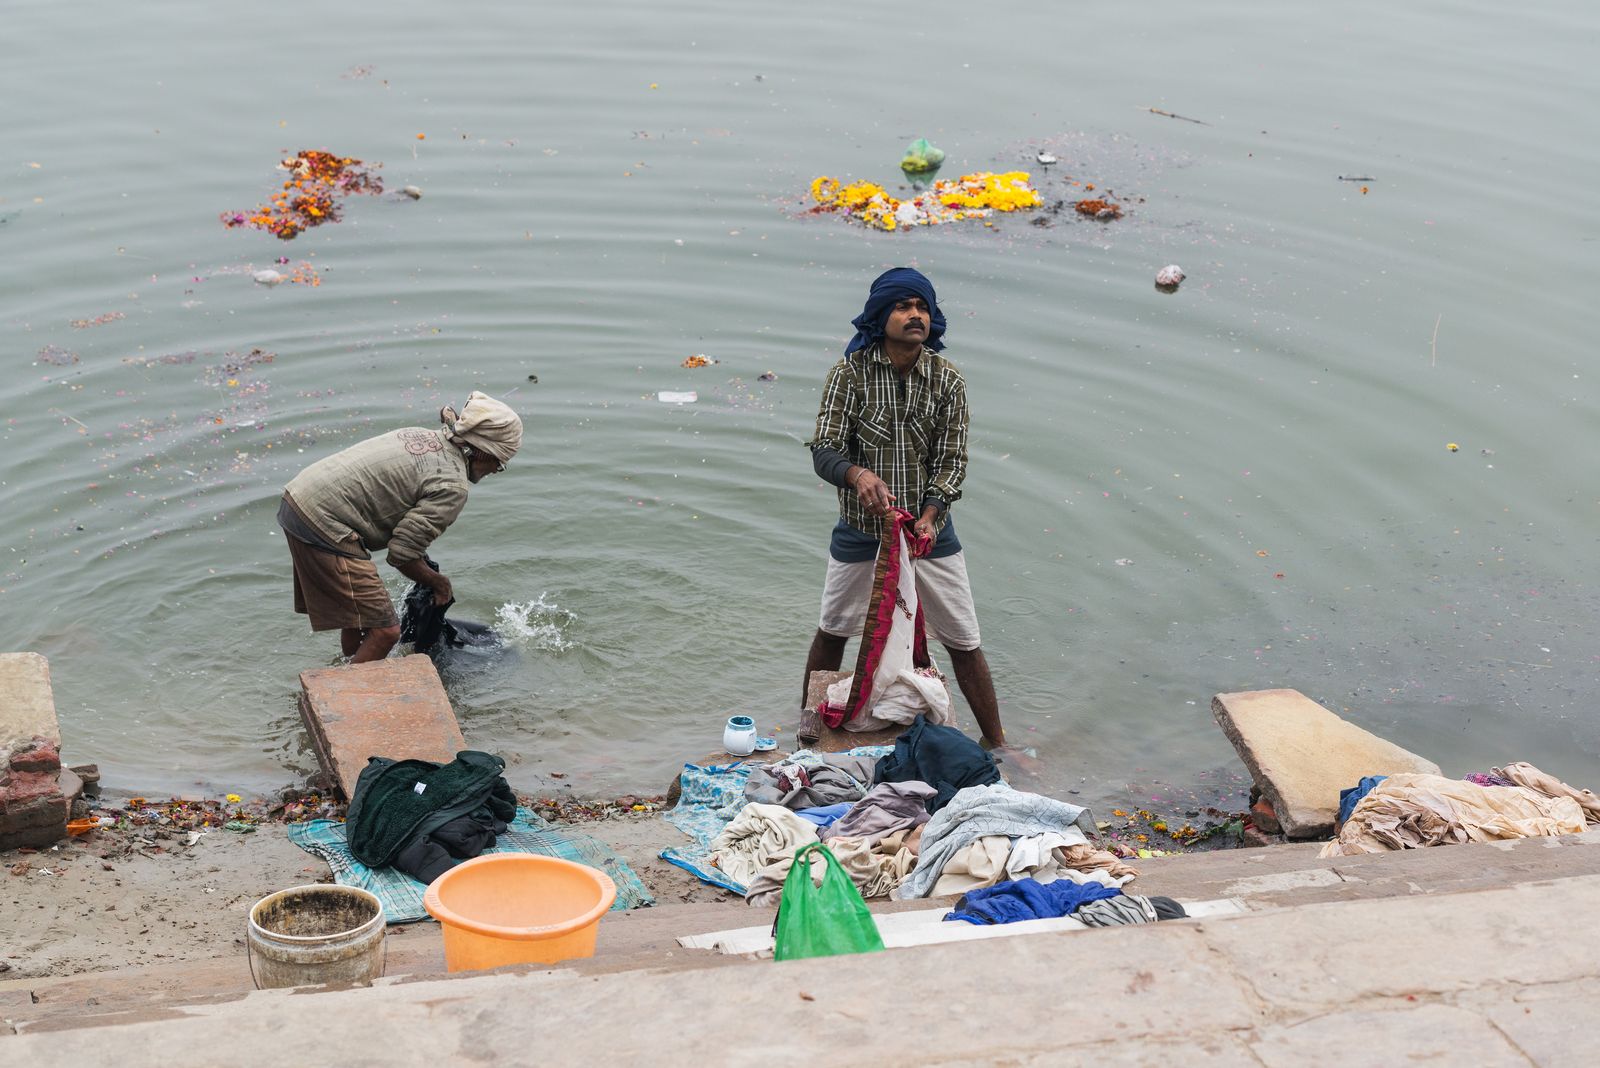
[[943, 591]]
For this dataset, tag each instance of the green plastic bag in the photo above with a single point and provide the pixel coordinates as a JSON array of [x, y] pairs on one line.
[[921, 157], [826, 920]]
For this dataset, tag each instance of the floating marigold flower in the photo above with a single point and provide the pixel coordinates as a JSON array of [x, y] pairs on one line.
[[234, 799], [971, 196], [316, 178]]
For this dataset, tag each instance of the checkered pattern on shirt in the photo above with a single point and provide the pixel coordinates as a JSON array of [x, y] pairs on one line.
[[911, 432]]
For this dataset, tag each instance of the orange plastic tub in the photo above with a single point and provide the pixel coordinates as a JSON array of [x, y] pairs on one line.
[[516, 908]]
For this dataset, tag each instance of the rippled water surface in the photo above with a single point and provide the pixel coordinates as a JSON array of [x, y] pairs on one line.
[[1241, 485]]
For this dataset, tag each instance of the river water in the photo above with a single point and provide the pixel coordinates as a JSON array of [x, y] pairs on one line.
[[1244, 484]]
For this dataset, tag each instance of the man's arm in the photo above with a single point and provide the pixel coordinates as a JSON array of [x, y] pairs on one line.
[[947, 454], [417, 529], [418, 571], [836, 420]]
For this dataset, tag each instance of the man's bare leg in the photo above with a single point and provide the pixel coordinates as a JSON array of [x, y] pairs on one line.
[[350, 640], [375, 644], [827, 653], [972, 675]]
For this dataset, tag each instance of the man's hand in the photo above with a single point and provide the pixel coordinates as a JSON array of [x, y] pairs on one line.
[[873, 492], [923, 527], [442, 590]]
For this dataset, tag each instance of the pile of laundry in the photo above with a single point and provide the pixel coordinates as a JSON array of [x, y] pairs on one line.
[[1383, 813], [931, 817]]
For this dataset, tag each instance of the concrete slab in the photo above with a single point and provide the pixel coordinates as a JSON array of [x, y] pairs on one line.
[[1429, 1033], [1553, 1027], [393, 708], [1301, 755]]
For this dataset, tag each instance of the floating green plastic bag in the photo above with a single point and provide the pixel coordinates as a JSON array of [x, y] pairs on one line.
[[921, 157], [826, 920]]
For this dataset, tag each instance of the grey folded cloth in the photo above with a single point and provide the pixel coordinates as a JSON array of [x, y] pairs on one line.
[[888, 807], [811, 780]]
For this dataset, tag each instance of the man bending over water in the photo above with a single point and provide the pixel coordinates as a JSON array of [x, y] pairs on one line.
[[401, 490]]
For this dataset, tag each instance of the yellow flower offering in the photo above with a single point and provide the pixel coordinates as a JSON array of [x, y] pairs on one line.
[[971, 196]]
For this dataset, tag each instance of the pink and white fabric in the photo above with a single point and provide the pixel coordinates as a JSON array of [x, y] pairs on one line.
[[901, 681]]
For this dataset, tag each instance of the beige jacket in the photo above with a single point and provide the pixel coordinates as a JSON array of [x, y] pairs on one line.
[[400, 489]]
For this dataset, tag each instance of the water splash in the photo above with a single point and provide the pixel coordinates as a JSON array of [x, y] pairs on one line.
[[538, 623]]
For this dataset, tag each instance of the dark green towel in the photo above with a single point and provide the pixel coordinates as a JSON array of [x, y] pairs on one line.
[[387, 810]]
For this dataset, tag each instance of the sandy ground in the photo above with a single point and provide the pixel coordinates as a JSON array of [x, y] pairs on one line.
[[124, 897]]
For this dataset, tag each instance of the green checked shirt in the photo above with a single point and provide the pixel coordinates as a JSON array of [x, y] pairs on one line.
[[911, 432]]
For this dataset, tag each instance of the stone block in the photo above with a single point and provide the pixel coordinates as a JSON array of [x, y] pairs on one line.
[[837, 740], [1301, 755], [33, 811], [393, 708], [27, 705]]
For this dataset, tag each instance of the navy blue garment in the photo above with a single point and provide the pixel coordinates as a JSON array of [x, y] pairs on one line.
[[940, 756], [1348, 799], [849, 546], [888, 289], [1027, 899]]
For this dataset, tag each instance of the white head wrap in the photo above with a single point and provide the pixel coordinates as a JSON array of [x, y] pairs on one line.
[[486, 424]]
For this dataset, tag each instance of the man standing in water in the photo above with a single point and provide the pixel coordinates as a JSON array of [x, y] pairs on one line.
[[892, 431], [399, 490]]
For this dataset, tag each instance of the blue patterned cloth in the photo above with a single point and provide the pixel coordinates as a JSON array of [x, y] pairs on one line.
[[711, 795], [401, 895]]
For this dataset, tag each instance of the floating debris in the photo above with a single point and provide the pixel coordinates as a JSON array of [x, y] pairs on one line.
[[1098, 209], [921, 157], [267, 278], [971, 196], [672, 396], [768, 376], [317, 181], [413, 192], [1169, 277], [1046, 159], [56, 356], [98, 320], [699, 359]]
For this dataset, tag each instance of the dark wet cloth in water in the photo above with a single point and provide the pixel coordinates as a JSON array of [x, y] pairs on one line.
[[423, 623]]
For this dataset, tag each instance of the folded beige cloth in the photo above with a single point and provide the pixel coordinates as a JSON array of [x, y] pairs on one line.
[[1413, 811], [1525, 774], [756, 838]]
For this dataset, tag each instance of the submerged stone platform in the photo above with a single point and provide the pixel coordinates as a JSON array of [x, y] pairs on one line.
[[1301, 755], [393, 708]]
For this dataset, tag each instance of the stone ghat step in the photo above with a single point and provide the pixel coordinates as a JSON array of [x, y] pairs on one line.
[[1444, 978], [646, 939]]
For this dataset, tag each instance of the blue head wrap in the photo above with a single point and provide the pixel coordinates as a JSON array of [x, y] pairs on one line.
[[888, 289]]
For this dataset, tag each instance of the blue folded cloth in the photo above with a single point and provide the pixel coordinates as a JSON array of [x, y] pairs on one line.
[[1027, 899], [1348, 799], [826, 815]]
